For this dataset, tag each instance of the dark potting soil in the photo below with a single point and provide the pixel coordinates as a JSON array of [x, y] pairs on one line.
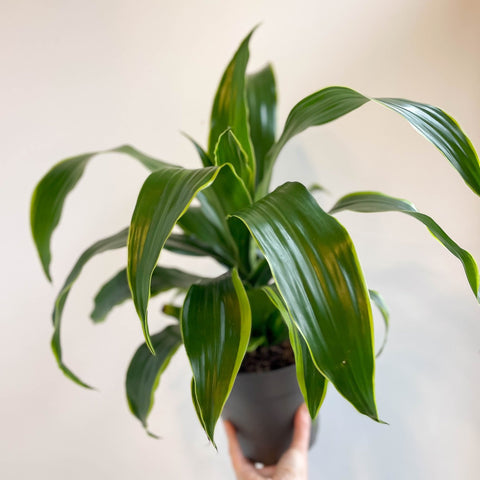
[[264, 359]]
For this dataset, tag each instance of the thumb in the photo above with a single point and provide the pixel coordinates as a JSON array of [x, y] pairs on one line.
[[293, 465]]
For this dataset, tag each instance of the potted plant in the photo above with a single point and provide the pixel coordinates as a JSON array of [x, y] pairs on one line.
[[292, 281]]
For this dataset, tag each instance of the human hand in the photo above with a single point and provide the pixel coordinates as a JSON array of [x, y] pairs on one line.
[[293, 463]]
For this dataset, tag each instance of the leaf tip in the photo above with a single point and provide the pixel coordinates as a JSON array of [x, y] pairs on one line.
[[152, 435]]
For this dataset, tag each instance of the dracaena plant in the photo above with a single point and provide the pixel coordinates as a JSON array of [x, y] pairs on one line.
[[291, 270]]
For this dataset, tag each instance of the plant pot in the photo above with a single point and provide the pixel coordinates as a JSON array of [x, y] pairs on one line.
[[262, 406]]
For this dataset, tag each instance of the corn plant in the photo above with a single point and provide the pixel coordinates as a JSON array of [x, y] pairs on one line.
[[290, 268]]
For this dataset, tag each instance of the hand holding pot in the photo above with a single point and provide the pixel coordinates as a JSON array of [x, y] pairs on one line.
[[293, 464]]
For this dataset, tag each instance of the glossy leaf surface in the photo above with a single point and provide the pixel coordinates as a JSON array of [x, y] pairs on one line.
[[163, 199], [230, 103], [378, 202], [316, 270], [319, 108], [197, 225], [189, 245], [52, 190], [118, 240], [433, 123], [145, 369], [443, 131], [204, 157], [216, 323], [262, 106], [379, 302], [116, 290], [229, 150], [267, 322], [312, 383], [227, 195]]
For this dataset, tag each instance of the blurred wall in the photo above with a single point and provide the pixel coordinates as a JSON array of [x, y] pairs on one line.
[[81, 76]]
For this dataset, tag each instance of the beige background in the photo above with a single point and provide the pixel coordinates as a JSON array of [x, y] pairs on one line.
[[80, 76]]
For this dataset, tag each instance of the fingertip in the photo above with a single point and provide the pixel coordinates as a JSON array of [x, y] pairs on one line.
[[302, 426], [236, 454]]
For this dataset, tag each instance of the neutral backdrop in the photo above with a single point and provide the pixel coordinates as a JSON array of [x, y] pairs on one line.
[[78, 76]]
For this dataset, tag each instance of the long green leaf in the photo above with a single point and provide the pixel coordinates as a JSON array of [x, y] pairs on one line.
[[118, 240], [164, 197], [229, 150], [145, 369], [216, 322], [198, 227], [316, 270], [116, 290], [204, 157], [190, 245], [378, 202], [379, 302], [433, 123], [312, 383], [49, 195], [319, 108], [443, 131], [267, 321], [229, 188], [262, 106], [230, 104]]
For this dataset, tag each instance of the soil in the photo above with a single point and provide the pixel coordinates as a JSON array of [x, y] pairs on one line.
[[264, 359]]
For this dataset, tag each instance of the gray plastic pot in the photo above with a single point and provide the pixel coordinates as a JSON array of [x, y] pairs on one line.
[[262, 407]]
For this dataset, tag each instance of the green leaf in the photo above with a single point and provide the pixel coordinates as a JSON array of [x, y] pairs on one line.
[[262, 106], [378, 202], [118, 240], [164, 197], [230, 103], [198, 227], [145, 369], [312, 383], [379, 302], [433, 123], [116, 290], [215, 325], [316, 270], [189, 245], [172, 311], [444, 132], [196, 405], [225, 196], [256, 342], [319, 108], [50, 194], [229, 150], [267, 322], [204, 157]]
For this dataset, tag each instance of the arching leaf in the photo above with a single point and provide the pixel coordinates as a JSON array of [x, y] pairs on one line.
[[49, 195], [215, 324], [433, 123], [145, 369], [229, 150], [379, 302], [316, 270], [312, 383], [118, 240], [116, 290], [262, 109], [230, 103], [378, 202], [164, 197]]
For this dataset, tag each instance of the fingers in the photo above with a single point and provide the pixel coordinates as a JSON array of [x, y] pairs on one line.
[[301, 433], [292, 465], [236, 454]]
